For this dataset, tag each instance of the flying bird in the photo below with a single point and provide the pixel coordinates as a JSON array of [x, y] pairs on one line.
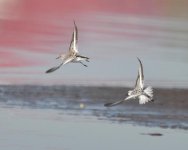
[[143, 94], [72, 55]]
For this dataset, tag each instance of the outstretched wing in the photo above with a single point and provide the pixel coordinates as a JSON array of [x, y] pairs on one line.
[[137, 84], [113, 104], [54, 68], [69, 59], [118, 102], [73, 45], [140, 77]]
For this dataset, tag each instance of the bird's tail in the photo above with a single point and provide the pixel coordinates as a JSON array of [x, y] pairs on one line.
[[149, 91], [147, 96]]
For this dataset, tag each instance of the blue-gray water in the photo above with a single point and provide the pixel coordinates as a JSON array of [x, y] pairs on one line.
[[69, 117], [169, 109], [39, 129]]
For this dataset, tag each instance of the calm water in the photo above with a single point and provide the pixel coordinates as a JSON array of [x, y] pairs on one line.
[[41, 129], [111, 33], [51, 118]]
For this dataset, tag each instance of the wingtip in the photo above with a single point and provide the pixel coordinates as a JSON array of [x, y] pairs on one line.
[[107, 105], [139, 61], [74, 22], [48, 71], [138, 58]]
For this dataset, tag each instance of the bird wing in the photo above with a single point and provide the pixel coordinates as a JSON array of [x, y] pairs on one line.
[[140, 77], [73, 45], [113, 104], [117, 102], [54, 68], [137, 81], [69, 59]]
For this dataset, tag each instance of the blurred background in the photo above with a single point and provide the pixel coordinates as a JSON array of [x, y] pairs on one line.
[[111, 32]]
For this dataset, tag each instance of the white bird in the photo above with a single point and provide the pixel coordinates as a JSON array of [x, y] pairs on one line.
[[72, 55], [144, 95]]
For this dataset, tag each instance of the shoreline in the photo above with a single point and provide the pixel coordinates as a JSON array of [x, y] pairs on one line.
[[169, 110]]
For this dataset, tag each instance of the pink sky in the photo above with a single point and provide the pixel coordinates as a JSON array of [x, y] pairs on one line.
[[23, 22], [33, 31]]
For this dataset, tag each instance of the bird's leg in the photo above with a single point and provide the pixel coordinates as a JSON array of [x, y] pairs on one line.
[[83, 64]]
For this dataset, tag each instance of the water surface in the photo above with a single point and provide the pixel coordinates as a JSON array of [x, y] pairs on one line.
[[36, 129]]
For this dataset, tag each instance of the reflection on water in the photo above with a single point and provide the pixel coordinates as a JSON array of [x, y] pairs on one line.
[[50, 129], [113, 34]]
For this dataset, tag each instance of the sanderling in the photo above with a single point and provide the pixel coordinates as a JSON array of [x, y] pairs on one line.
[[144, 95], [72, 55]]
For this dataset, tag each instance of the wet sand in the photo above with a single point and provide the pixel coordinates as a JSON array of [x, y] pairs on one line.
[[169, 110]]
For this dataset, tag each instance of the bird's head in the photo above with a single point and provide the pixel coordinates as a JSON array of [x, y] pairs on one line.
[[62, 56]]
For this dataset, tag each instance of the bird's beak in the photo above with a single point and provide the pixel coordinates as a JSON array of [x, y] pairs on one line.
[[58, 57]]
